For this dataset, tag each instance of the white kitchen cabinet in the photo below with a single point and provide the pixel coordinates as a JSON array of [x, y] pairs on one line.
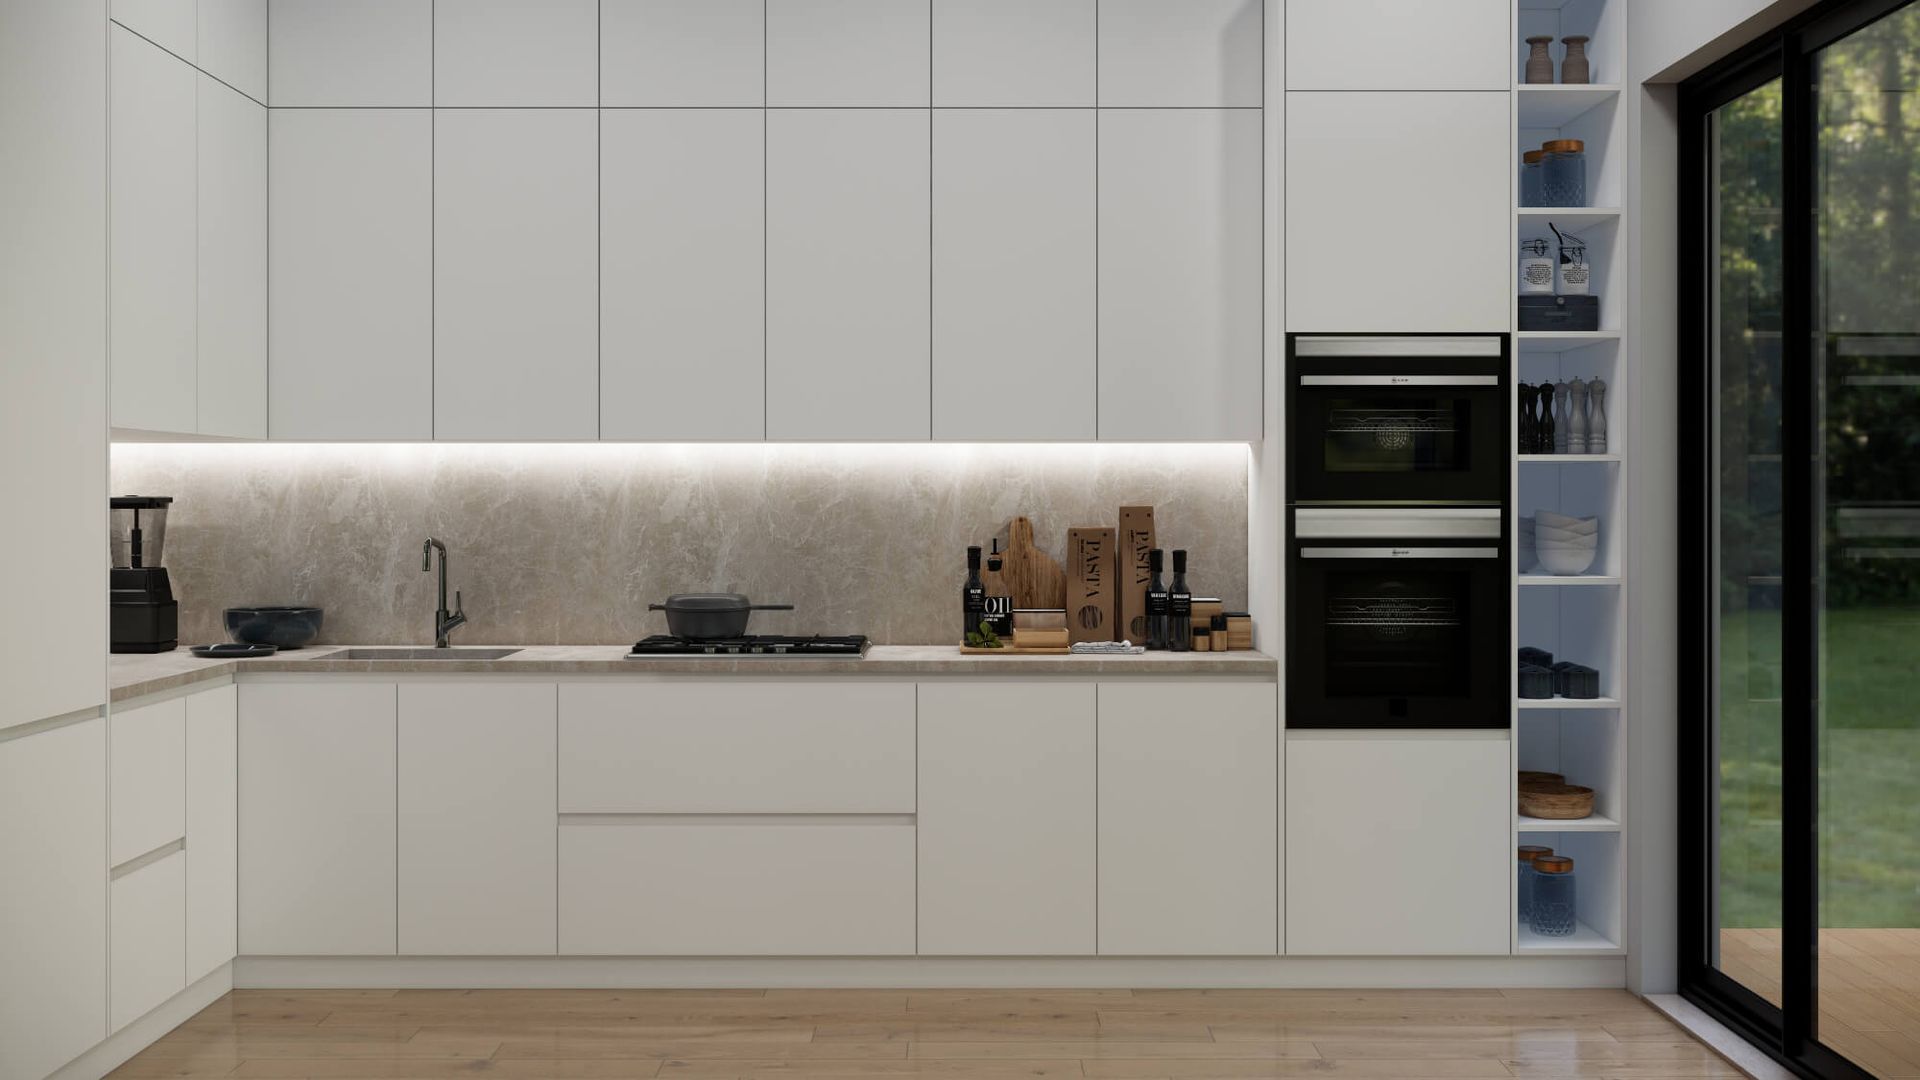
[[350, 287], [683, 271], [1189, 819], [152, 245], [231, 381], [149, 938], [318, 819], [737, 747], [1022, 53], [53, 908], [515, 274], [719, 889], [1013, 274], [1007, 832], [1360, 256], [848, 265], [167, 23], [1181, 54], [1399, 45], [686, 53], [516, 53], [350, 53], [233, 44], [847, 53], [1181, 304], [212, 868], [149, 778], [478, 854], [1399, 844]]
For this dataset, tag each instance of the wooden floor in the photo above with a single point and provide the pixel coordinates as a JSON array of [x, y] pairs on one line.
[[877, 1034], [1869, 990]]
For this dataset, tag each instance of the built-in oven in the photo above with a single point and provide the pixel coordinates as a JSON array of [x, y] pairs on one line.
[[1394, 420], [1399, 618]]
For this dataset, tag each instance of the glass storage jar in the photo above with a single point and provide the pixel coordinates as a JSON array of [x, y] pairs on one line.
[[1530, 166], [1563, 173], [1528, 853], [1553, 897]]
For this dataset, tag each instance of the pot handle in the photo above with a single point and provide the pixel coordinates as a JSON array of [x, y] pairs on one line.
[[769, 607], [656, 607]]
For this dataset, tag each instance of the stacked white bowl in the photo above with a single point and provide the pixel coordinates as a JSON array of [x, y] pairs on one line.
[[1565, 545], [1524, 550]]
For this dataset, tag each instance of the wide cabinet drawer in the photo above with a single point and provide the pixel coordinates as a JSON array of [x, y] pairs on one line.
[[737, 748], [149, 776], [641, 888]]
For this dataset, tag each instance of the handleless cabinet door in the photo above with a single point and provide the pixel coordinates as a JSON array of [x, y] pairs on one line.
[[1007, 819], [53, 908], [152, 246], [685, 53], [212, 829], [233, 263], [847, 274], [233, 44], [1019, 53], [167, 23], [1180, 276], [478, 850], [1013, 274], [1354, 264], [514, 53], [365, 53], [683, 270], [149, 938], [318, 819], [149, 778], [847, 53], [350, 285], [1189, 820], [1181, 54], [515, 274], [1456, 45], [1399, 845]]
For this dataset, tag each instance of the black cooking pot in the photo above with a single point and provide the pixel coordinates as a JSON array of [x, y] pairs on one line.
[[710, 616]]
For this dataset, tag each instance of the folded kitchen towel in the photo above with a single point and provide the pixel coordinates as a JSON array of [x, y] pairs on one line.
[[1107, 647]]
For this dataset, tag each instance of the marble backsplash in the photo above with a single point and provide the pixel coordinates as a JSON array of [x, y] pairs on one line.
[[567, 544]]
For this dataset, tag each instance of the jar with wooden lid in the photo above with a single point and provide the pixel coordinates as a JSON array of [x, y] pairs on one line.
[[1530, 163], [1563, 173], [1528, 853], [1554, 912]]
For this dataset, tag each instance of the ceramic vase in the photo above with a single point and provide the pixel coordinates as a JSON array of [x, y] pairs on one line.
[[1574, 68], [1539, 64]]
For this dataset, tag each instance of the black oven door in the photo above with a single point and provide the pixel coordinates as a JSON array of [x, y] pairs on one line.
[[1407, 635], [1398, 420]]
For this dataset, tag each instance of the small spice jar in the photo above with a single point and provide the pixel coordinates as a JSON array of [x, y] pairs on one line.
[[1219, 633], [1530, 163], [1554, 913], [1563, 173], [1528, 853]]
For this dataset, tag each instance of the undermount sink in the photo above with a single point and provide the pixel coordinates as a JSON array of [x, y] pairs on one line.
[[407, 653]]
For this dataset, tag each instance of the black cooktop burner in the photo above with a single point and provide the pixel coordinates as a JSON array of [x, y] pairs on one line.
[[758, 645]]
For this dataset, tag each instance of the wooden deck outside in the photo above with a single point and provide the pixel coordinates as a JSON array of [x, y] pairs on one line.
[[1869, 990]]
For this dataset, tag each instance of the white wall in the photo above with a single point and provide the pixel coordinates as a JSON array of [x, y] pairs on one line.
[[1668, 40]]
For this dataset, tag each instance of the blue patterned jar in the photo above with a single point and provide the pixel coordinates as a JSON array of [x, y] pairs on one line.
[[1554, 912], [1528, 853]]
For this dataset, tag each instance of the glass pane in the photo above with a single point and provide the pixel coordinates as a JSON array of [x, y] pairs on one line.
[[1745, 146], [1401, 635], [1867, 348], [1399, 433]]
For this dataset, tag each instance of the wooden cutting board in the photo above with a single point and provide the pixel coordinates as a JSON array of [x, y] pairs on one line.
[[1033, 578]]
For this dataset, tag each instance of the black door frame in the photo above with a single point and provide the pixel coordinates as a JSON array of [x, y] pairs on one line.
[[1788, 1034]]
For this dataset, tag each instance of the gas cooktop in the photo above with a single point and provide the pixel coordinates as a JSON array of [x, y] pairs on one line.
[[757, 645]]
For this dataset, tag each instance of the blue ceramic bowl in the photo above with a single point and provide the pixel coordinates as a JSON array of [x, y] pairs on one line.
[[287, 627]]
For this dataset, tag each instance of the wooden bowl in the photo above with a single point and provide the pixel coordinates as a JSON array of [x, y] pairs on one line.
[[1558, 802], [1528, 776]]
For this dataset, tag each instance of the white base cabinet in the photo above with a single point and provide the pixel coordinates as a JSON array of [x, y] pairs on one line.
[[149, 937], [1397, 844], [1189, 820], [149, 777], [213, 821]]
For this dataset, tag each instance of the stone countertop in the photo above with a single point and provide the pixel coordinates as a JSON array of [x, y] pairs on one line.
[[136, 675]]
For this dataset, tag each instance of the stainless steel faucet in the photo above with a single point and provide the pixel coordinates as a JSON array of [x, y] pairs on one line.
[[444, 621]]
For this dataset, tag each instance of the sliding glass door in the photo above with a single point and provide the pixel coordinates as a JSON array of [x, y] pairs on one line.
[[1801, 718]]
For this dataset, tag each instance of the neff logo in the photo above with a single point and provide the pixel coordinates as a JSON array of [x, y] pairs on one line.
[[1400, 378], [1399, 553]]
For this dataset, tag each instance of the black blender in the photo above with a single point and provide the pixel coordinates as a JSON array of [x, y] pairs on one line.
[[145, 617]]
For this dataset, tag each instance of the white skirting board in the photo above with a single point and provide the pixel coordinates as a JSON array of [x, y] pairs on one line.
[[144, 1032], [382, 972]]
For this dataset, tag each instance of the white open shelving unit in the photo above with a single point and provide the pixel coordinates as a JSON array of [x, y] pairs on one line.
[[1581, 617]]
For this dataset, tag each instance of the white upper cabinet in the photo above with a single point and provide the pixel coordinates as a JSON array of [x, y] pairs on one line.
[[1399, 45], [847, 273], [516, 274], [1013, 274], [1181, 302], [152, 211], [682, 272], [1363, 169], [232, 378], [1181, 53], [1013, 52], [827, 53], [167, 23], [350, 52], [233, 44], [351, 274], [701, 53], [515, 53]]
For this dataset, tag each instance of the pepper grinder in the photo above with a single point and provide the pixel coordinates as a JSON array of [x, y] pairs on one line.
[[1560, 428], [1577, 417], [1526, 418], [1597, 418], [1545, 431]]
